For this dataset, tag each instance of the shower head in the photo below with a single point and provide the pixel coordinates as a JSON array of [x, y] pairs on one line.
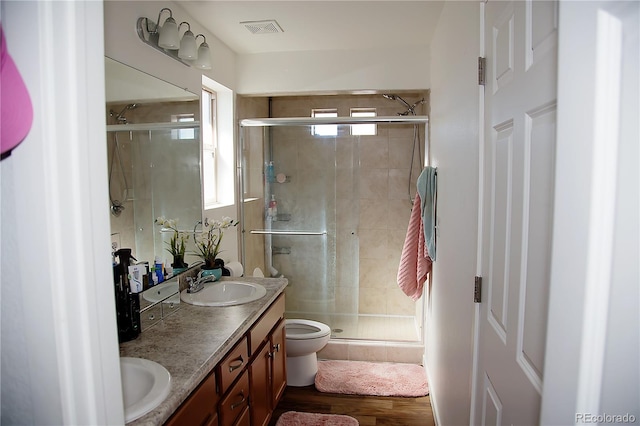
[[394, 97], [120, 118], [410, 108]]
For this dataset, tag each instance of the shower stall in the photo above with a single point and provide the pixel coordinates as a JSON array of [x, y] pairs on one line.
[[327, 207], [154, 170]]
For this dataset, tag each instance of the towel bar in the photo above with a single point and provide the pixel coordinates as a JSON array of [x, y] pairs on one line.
[[268, 232]]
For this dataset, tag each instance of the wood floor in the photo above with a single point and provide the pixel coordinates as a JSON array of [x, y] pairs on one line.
[[368, 410]]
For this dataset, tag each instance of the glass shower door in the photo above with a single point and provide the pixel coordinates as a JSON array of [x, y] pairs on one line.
[[341, 219], [301, 241]]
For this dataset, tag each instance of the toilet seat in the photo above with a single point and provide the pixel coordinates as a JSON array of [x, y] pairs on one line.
[[301, 329]]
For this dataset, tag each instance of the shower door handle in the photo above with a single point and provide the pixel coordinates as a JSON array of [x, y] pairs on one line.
[[268, 232]]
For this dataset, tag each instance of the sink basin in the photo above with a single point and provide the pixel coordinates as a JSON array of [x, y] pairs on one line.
[[224, 293], [162, 291], [145, 384]]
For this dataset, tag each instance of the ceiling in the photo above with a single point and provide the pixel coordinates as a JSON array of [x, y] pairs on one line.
[[318, 25]]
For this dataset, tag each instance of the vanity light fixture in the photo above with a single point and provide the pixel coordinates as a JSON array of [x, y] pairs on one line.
[[204, 56], [188, 47], [166, 39]]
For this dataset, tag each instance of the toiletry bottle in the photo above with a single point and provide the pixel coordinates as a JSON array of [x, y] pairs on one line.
[[271, 176], [273, 208], [159, 269]]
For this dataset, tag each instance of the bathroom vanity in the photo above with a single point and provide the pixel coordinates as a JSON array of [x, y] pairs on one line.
[[227, 364]]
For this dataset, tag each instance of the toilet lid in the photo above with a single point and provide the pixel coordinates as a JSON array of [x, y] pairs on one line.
[[301, 329]]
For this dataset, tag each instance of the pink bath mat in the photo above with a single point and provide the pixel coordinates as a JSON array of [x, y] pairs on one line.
[[372, 378], [295, 418]]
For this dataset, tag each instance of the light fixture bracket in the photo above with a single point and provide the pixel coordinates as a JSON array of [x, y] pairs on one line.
[[150, 37]]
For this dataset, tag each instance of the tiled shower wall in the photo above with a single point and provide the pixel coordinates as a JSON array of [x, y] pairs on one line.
[[372, 203]]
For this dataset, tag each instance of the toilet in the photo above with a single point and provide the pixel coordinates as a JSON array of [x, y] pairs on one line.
[[304, 339]]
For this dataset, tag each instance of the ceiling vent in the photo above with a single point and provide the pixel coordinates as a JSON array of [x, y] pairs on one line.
[[263, 27]]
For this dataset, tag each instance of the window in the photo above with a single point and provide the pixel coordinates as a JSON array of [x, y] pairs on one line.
[[363, 129], [324, 129], [186, 133], [209, 146]]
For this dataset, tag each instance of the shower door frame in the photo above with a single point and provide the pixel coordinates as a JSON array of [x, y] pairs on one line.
[[310, 121]]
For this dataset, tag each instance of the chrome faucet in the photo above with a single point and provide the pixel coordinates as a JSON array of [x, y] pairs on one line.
[[194, 286], [198, 284]]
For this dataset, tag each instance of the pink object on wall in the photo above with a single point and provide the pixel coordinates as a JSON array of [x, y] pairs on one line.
[[16, 112], [415, 263]]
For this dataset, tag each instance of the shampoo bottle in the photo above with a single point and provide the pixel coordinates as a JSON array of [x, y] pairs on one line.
[[271, 177]]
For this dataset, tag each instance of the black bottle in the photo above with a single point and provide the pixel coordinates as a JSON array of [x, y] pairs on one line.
[[127, 304]]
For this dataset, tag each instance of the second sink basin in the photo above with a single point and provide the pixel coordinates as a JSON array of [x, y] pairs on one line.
[[224, 293], [162, 292], [145, 384]]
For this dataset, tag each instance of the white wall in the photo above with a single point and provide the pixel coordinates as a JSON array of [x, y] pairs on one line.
[[454, 151], [404, 68], [123, 44]]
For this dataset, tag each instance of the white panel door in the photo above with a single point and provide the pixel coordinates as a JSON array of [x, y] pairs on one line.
[[517, 189]]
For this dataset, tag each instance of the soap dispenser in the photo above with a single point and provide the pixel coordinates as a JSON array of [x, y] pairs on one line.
[[273, 208]]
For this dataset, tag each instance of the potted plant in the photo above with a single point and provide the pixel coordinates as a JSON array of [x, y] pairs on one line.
[[208, 243], [177, 245]]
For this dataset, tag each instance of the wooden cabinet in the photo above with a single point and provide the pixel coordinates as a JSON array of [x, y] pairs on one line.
[[233, 365], [262, 328], [234, 404], [200, 408], [259, 372], [245, 387], [267, 369], [278, 363]]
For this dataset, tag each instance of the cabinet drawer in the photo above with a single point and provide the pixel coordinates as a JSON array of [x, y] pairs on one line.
[[244, 419], [200, 407], [265, 324], [233, 364], [233, 405]]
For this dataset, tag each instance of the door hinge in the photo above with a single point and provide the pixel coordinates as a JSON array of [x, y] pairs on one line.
[[482, 70], [477, 290]]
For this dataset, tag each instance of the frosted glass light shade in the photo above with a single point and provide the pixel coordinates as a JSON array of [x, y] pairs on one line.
[[203, 61], [169, 37], [188, 47]]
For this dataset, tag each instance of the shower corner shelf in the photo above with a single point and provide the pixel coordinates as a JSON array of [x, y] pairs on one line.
[[281, 250], [283, 217]]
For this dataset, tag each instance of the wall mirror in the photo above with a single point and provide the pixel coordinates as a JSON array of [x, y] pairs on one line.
[[154, 161]]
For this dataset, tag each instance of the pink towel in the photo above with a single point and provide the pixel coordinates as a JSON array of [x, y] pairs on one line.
[[415, 263]]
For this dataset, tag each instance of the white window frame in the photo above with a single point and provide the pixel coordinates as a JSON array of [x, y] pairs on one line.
[[368, 129], [324, 129], [209, 146], [186, 133]]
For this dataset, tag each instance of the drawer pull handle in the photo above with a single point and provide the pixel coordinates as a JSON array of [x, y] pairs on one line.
[[239, 403], [276, 347], [236, 363]]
